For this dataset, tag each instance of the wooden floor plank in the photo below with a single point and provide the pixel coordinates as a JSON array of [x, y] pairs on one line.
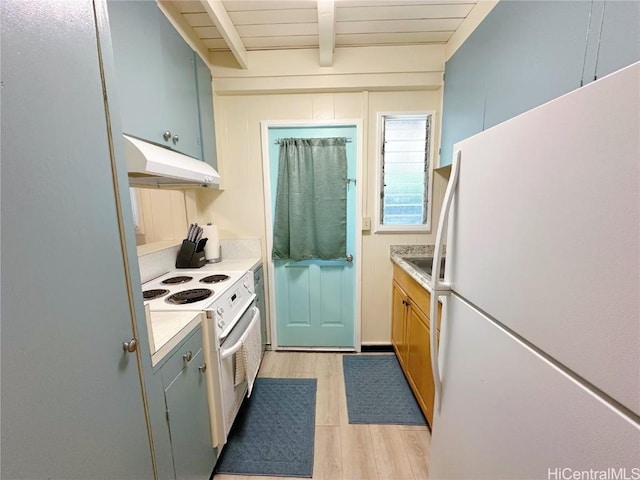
[[391, 458], [327, 464], [358, 460], [329, 401], [268, 364], [416, 444]]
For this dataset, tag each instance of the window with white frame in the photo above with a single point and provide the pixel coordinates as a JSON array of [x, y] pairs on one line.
[[403, 172]]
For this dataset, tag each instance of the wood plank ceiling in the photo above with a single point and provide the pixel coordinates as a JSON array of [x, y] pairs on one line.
[[245, 25]]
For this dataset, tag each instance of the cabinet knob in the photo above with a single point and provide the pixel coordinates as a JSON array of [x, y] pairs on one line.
[[203, 368], [166, 135], [176, 139], [187, 356], [130, 346]]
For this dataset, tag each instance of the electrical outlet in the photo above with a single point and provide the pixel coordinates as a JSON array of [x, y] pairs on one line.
[[366, 224]]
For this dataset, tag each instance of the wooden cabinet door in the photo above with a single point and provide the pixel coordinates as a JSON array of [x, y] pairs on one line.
[[188, 416], [398, 323], [419, 360]]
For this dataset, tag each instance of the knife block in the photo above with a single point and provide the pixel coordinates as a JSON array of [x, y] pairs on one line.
[[188, 257]]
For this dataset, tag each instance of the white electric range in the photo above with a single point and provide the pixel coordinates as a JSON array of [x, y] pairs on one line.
[[229, 302], [221, 293]]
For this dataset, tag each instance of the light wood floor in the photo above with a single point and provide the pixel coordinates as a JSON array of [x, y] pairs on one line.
[[343, 451]]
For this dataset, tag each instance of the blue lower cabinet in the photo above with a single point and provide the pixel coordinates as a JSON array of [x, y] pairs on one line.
[[188, 411]]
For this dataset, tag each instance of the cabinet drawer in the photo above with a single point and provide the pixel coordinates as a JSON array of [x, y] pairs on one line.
[[176, 362], [418, 294]]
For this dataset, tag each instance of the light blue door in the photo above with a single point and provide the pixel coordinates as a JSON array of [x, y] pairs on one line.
[[315, 299]]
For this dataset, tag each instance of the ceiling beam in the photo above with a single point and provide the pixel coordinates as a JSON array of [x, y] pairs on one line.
[[178, 21], [326, 31], [216, 11]]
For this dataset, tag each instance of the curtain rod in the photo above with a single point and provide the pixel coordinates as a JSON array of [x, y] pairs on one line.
[[278, 140]]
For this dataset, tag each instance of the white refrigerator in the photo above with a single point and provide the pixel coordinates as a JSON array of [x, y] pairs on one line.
[[537, 368]]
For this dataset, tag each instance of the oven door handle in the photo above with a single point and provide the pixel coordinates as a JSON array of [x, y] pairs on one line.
[[227, 352]]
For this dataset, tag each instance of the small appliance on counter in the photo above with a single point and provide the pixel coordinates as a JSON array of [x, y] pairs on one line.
[[212, 250], [192, 250]]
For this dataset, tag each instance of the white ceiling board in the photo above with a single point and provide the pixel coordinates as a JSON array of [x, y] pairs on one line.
[[395, 3], [408, 38], [188, 6], [239, 5], [201, 19], [256, 17], [403, 12], [430, 25], [217, 44], [206, 33], [272, 43], [277, 29]]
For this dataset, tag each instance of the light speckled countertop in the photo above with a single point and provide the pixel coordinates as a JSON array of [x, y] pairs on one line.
[[168, 330], [397, 252]]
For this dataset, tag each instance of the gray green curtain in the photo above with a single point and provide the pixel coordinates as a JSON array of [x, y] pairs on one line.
[[311, 200]]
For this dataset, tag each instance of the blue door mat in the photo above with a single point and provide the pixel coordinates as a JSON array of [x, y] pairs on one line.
[[273, 434], [378, 392]]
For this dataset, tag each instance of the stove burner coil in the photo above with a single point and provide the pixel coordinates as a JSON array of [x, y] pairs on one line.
[[155, 293], [177, 280], [215, 278], [189, 296]]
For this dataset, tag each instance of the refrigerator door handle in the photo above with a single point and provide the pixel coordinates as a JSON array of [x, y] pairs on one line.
[[440, 288]]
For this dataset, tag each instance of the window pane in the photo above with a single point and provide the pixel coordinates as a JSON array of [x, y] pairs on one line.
[[404, 170], [405, 146], [392, 179], [412, 168], [413, 157], [405, 129]]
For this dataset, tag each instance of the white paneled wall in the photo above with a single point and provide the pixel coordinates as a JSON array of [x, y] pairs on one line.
[[162, 215], [238, 210]]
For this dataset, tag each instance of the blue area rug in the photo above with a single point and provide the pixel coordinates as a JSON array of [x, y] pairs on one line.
[[378, 393], [274, 431]]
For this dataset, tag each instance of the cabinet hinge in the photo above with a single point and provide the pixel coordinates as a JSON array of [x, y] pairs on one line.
[[167, 414]]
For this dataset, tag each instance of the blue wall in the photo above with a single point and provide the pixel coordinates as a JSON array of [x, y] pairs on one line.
[[526, 53]]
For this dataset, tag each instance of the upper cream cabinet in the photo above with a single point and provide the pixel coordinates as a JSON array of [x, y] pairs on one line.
[[156, 78]]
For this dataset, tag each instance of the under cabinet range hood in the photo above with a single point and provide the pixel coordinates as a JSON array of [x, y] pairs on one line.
[[151, 165]]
